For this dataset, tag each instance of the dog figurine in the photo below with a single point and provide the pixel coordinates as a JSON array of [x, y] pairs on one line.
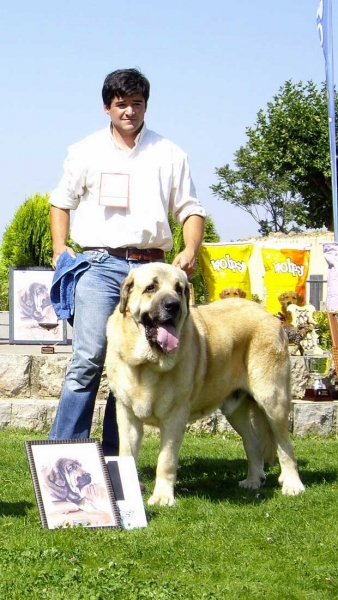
[[232, 292], [286, 299]]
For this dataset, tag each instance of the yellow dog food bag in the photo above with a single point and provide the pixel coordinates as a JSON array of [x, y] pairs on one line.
[[225, 266], [286, 270]]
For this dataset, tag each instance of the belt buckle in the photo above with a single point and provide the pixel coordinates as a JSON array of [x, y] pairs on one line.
[[128, 252]]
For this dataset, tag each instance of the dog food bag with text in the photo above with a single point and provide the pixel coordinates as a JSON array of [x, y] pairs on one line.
[[286, 271], [225, 270]]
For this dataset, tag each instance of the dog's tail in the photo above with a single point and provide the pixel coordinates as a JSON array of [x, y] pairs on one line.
[[264, 433]]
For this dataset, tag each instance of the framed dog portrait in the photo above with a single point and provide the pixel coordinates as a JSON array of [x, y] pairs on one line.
[[32, 319], [72, 484]]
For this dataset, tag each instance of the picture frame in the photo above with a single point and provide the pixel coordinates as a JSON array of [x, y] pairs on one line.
[[72, 484], [32, 319], [124, 478]]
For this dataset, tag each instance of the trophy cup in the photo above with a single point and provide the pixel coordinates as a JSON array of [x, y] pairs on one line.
[[48, 348], [318, 366]]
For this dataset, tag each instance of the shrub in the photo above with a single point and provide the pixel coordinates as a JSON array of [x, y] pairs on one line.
[[210, 235], [323, 330], [26, 242]]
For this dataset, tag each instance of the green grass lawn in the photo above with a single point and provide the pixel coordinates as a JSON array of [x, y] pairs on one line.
[[218, 541]]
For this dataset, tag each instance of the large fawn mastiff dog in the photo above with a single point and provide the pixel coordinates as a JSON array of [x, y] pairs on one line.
[[168, 364]]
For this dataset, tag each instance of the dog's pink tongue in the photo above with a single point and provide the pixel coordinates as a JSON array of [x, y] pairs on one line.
[[166, 338]]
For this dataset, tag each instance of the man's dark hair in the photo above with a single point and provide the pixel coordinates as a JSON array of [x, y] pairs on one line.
[[125, 82]]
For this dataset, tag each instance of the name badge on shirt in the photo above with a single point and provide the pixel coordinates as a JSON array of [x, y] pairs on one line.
[[114, 190]]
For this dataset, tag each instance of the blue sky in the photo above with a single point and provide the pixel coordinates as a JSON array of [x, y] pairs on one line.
[[212, 66]]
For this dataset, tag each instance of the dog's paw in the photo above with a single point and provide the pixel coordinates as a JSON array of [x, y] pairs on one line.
[[252, 484], [163, 500], [292, 486], [163, 494]]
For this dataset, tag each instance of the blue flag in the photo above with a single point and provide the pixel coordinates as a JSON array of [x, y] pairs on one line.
[[324, 26]]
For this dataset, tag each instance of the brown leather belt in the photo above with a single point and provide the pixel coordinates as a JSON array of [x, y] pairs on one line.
[[151, 254]]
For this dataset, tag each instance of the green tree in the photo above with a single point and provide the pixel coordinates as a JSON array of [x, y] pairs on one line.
[[210, 235], [26, 242], [267, 200], [287, 146]]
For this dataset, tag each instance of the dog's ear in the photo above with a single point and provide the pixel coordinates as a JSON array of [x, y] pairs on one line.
[[27, 297], [126, 287], [57, 477], [242, 293]]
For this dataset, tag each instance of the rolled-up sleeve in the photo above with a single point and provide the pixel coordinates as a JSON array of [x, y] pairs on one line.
[[183, 200], [72, 184]]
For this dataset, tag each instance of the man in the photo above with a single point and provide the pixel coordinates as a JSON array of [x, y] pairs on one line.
[[122, 181]]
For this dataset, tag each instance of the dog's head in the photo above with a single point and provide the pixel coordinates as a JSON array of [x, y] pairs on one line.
[[157, 297], [67, 478], [288, 298], [34, 300], [232, 292]]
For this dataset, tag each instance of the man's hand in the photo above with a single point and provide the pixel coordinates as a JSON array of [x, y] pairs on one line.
[[186, 260], [57, 253], [193, 229]]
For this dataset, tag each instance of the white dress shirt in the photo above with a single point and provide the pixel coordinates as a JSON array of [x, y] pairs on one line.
[[158, 176]]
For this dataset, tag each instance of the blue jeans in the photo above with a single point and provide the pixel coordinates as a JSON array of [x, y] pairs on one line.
[[97, 294]]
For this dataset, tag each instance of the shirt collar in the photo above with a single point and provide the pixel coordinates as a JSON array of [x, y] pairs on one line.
[[138, 138]]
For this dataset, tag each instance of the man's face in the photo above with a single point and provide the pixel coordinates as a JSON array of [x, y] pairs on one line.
[[127, 114]]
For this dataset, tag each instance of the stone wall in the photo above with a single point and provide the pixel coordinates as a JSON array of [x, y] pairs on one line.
[[30, 388]]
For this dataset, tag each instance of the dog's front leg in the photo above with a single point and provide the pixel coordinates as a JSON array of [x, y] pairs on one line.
[[172, 433], [130, 431]]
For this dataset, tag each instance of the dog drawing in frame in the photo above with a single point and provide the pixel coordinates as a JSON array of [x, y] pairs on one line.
[[69, 488]]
